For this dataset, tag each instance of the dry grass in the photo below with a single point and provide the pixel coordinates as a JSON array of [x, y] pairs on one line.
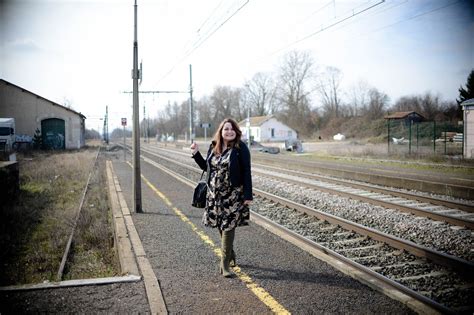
[[34, 229], [92, 253]]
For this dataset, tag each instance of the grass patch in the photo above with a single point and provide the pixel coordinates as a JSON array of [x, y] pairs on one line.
[[434, 163], [35, 227], [92, 254]]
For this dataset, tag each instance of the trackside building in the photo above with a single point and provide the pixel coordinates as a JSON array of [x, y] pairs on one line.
[[468, 133], [60, 127]]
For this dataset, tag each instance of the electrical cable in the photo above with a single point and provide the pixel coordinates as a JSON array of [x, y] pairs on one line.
[[416, 16], [325, 28], [382, 10], [199, 42]]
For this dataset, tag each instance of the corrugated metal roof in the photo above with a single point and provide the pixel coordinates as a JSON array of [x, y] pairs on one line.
[[401, 115]]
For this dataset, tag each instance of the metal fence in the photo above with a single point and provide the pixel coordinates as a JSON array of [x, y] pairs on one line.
[[424, 138]]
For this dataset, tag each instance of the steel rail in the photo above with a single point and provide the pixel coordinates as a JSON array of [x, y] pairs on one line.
[[366, 186], [386, 204], [355, 265], [59, 275], [451, 189], [417, 250]]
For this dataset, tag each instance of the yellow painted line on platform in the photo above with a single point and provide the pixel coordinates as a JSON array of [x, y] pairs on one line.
[[261, 294]]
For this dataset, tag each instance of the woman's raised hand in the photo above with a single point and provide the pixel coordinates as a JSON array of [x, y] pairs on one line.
[[194, 148]]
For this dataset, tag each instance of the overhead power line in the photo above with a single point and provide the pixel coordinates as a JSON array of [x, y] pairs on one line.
[[374, 13], [416, 16], [207, 34], [199, 43], [403, 20], [326, 27]]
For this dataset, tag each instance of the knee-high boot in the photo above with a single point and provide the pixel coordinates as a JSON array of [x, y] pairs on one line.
[[227, 245], [233, 260]]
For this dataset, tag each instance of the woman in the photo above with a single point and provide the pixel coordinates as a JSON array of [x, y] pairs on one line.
[[229, 181]]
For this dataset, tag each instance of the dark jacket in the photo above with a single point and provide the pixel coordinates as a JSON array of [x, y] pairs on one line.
[[239, 167]]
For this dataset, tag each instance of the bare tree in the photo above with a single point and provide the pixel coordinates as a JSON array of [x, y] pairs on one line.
[[328, 87], [259, 94], [359, 98], [225, 102], [203, 110], [377, 103], [430, 105], [173, 120], [450, 110], [406, 104], [296, 72], [203, 114]]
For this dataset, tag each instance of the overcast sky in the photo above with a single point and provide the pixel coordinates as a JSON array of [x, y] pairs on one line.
[[80, 51]]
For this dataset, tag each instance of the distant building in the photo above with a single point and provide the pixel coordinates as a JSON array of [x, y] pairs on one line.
[[406, 117], [60, 127], [266, 129], [468, 132]]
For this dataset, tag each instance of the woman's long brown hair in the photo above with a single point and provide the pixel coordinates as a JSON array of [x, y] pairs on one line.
[[218, 140]]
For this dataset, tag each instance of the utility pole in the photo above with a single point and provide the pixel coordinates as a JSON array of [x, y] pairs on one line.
[[191, 120], [144, 124], [137, 188], [248, 125], [107, 123]]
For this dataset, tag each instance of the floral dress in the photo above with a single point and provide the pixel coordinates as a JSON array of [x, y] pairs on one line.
[[225, 209]]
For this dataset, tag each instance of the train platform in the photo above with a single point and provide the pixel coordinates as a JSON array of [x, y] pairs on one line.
[[272, 275]]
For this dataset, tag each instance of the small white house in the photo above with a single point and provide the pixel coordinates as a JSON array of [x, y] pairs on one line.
[[266, 129], [468, 108]]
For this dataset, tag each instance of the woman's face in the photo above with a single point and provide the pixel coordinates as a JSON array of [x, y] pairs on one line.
[[228, 133]]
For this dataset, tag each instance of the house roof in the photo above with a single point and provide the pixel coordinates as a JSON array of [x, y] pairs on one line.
[[53, 103], [401, 115], [468, 102], [255, 121]]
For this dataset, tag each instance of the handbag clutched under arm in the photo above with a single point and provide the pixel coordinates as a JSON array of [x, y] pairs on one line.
[[200, 192]]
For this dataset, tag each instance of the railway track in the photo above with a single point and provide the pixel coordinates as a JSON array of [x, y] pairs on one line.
[[60, 273], [453, 212], [437, 279], [450, 211], [446, 185]]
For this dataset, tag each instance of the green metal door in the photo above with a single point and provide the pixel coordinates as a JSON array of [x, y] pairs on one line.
[[53, 133]]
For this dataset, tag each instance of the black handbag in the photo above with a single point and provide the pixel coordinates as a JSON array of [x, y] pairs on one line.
[[200, 192]]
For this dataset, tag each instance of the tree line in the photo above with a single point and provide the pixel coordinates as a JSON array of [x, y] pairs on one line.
[[305, 96]]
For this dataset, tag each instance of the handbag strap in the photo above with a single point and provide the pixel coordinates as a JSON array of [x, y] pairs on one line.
[[202, 174]]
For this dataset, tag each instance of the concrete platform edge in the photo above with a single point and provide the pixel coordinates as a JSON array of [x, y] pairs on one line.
[[152, 286]]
